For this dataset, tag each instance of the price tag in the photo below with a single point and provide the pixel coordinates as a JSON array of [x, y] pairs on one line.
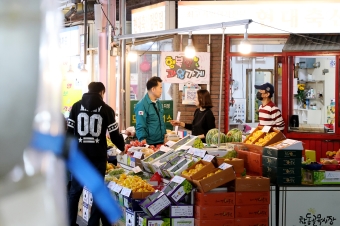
[[118, 188], [208, 158], [191, 151], [332, 174], [111, 185], [137, 169], [178, 179], [126, 202], [199, 152], [170, 143], [138, 154], [126, 192], [164, 148], [224, 166], [266, 129]]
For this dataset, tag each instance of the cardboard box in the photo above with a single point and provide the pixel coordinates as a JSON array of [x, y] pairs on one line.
[[207, 168], [252, 183], [282, 171], [181, 211], [241, 154], [213, 213], [320, 177], [131, 218], [278, 136], [255, 163], [224, 222], [251, 221], [132, 204], [152, 221], [252, 211], [177, 189], [284, 149], [183, 221], [252, 198], [281, 162], [237, 163], [179, 167], [155, 203], [290, 177], [122, 159], [215, 199], [150, 159], [216, 180]]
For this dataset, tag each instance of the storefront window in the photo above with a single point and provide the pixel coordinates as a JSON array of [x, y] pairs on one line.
[[313, 92], [146, 66]]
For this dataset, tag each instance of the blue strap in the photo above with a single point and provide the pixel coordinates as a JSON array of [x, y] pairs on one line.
[[82, 170]]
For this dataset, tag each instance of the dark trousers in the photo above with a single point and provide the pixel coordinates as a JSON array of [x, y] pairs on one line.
[[73, 198]]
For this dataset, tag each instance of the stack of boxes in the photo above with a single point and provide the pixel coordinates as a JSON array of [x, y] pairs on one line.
[[282, 162], [252, 199], [247, 205]]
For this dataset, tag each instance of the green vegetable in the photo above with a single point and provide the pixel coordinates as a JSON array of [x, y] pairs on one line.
[[116, 172], [166, 222], [198, 143], [187, 187], [231, 154]]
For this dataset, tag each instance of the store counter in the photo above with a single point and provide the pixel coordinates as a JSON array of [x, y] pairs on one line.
[[305, 205]]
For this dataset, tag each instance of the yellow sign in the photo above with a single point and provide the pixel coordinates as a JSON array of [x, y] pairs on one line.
[[70, 96]]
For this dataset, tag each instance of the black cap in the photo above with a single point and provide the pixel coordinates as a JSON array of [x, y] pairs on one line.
[[267, 87]]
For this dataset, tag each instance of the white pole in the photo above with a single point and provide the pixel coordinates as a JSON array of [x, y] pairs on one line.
[[220, 95], [253, 93]]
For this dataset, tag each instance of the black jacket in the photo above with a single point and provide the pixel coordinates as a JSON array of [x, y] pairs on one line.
[[203, 122], [89, 120]]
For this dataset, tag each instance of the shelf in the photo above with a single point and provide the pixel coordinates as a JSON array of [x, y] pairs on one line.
[[301, 109]]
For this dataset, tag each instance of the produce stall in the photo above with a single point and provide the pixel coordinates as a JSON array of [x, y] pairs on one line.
[[251, 182]]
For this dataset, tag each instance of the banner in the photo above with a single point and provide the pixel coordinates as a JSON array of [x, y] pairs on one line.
[[168, 107], [71, 94], [176, 68]]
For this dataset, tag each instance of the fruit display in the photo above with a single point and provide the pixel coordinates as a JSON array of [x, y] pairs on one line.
[[209, 136], [116, 172], [331, 154], [154, 156], [337, 155], [109, 178], [135, 183], [214, 139], [191, 172], [198, 143], [234, 135], [230, 154], [210, 174], [264, 140], [109, 167], [252, 137], [147, 152], [329, 162]]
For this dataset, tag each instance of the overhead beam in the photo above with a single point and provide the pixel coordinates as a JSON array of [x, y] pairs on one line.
[[185, 29]]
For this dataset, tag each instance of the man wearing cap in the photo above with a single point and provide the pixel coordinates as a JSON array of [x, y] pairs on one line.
[[269, 113]]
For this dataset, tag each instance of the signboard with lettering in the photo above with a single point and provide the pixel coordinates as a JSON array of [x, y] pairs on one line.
[[176, 68], [157, 17], [168, 106], [70, 95], [291, 16]]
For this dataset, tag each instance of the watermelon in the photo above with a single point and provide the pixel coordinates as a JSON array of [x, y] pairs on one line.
[[234, 135], [214, 139], [209, 136]]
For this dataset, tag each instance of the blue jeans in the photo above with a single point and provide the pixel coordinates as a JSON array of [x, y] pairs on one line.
[[73, 198]]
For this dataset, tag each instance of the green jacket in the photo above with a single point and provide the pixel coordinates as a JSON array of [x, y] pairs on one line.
[[149, 125]]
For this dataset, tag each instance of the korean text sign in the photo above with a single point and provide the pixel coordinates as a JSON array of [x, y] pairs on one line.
[[176, 68]]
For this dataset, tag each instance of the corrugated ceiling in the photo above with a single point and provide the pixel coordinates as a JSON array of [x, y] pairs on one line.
[[312, 42]]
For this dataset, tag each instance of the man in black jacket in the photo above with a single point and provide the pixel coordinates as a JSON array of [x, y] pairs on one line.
[[89, 120]]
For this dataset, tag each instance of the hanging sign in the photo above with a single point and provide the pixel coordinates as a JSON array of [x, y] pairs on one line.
[[176, 68], [189, 93]]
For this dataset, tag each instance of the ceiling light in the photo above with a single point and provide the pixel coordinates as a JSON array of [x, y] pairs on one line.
[[189, 50], [245, 45], [132, 54]]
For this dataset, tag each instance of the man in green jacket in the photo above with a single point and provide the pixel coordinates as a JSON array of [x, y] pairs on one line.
[[149, 114]]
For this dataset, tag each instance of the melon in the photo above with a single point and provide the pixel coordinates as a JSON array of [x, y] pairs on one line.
[[234, 135], [210, 135], [214, 139]]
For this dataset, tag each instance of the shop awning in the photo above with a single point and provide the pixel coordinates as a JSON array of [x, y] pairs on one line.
[[312, 42]]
